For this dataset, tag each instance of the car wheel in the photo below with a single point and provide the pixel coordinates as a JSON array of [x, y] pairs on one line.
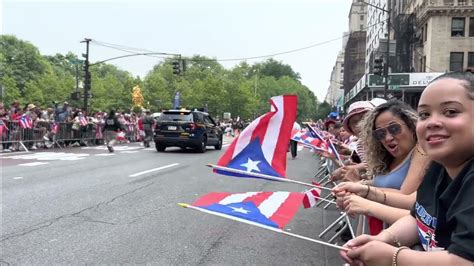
[[202, 148], [219, 144], [160, 148]]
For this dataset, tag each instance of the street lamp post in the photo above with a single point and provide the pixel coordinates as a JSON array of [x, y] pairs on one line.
[[387, 53]]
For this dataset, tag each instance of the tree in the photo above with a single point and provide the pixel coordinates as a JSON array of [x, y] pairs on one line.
[[323, 110], [20, 60], [275, 69]]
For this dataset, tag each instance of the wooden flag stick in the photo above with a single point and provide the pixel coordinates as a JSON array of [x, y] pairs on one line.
[[237, 171], [185, 205]]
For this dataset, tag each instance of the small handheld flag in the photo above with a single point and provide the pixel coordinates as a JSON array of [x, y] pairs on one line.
[[25, 122], [268, 210], [261, 147]]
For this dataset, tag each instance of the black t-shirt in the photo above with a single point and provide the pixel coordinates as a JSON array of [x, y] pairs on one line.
[[444, 211]]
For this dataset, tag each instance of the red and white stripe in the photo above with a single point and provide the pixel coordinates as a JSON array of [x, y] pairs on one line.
[[311, 197], [279, 207], [83, 121], [25, 122], [273, 130]]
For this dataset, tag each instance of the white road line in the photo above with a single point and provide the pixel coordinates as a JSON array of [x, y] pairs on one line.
[[128, 151], [154, 169], [32, 164], [18, 177], [104, 154]]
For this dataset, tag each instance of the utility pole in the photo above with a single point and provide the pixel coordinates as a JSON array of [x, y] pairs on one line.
[[387, 61], [87, 75]]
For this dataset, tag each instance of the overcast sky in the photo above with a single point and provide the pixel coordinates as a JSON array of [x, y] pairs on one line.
[[214, 28]]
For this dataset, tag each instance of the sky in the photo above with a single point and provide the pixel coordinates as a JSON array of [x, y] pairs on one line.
[[220, 29]]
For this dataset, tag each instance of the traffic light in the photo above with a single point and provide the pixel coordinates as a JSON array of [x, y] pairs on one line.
[[176, 67], [378, 66]]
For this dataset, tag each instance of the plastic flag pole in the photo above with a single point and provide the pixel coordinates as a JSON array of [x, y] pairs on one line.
[[237, 171]]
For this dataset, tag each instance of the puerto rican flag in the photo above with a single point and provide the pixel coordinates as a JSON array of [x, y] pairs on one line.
[[83, 121], [307, 139], [25, 122], [329, 145], [426, 235], [270, 209], [312, 196], [261, 147]]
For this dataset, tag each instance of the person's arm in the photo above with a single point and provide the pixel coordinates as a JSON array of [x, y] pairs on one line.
[[418, 165], [389, 198], [357, 205]]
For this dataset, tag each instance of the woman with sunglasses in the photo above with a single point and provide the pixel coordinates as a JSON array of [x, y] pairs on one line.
[[394, 160], [442, 218]]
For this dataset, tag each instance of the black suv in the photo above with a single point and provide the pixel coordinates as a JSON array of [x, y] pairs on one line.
[[186, 128]]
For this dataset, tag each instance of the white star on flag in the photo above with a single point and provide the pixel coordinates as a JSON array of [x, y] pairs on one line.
[[251, 165], [240, 209]]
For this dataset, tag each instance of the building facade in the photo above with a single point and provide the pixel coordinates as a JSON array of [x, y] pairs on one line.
[[445, 30], [430, 37], [354, 54], [336, 88]]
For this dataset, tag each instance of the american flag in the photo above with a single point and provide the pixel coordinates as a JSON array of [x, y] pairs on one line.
[[83, 121], [25, 122]]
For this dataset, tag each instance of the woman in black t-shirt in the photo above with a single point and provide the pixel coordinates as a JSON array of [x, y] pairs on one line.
[[442, 220]]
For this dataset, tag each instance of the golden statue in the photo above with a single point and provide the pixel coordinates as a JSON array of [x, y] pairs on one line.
[[137, 97]]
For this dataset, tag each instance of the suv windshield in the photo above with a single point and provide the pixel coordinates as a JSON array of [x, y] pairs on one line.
[[184, 117]]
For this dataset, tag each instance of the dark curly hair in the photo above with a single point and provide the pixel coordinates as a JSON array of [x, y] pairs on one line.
[[378, 158]]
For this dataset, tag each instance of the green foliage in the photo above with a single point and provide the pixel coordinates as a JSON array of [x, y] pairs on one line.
[[243, 90], [323, 110]]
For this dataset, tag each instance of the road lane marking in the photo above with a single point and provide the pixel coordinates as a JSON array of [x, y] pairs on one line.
[[128, 151], [32, 164], [18, 177], [104, 154], [154, 169]]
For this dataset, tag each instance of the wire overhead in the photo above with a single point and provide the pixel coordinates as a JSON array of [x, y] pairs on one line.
[[146, 52]]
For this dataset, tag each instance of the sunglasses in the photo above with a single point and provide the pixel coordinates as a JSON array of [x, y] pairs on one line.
[[380, 133]]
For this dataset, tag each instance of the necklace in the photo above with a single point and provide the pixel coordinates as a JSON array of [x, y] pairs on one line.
[[422, 154]]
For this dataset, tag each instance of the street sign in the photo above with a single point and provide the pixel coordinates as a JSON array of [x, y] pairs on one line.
[[394, 87], [75, 61]]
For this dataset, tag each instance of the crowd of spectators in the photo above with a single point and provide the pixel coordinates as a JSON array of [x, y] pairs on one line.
[[60, 122]]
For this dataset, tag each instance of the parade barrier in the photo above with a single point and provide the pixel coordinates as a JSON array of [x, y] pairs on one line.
[[16, 135]]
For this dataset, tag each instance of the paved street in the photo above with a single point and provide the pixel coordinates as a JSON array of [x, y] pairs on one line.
[[84, 205]]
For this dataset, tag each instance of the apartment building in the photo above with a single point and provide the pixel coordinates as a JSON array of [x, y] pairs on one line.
[[354, 54], [445, 31], [377, 32], [335, 91], [430, 37]]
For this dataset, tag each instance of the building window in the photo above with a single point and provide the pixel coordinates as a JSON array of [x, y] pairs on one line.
[[424, 63], [457, 27], [425, 33], [461, 2], [361, 17], [448, 2], [362, 26], [471, 27], [456, 61], [470, 60]]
